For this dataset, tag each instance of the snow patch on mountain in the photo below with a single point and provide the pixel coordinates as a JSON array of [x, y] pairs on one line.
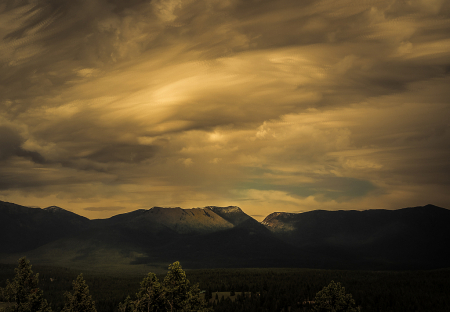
[[232, 214], [229, 209], [279, 221], [194, 220], [54, 209]]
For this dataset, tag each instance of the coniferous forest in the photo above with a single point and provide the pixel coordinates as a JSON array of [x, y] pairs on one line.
[[265, 289]]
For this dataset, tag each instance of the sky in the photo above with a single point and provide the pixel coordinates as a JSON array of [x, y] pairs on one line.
[[109, 106]]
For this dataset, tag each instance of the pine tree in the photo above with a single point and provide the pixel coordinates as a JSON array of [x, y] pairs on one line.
[[196, 302], [176, 287], [174, 295], [24, 292], [150, 295], [127, 306], [79, 300], [332, 298]]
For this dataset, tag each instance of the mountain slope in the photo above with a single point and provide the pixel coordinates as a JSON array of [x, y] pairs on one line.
[[409, 238], [404, 238], [187, 221], [232, 214], [181, 221], [200, 237], [23, 228]]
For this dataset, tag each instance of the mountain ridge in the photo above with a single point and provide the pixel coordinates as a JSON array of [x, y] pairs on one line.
[[407, 238]]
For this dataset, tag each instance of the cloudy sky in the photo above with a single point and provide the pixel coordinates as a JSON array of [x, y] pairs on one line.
[[107, 106]]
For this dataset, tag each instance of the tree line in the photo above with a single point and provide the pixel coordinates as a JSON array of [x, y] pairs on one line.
[[285, 289], [174, 293]]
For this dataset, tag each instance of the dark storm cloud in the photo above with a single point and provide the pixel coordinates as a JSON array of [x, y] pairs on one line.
[[21, 174], [85, 34], [11, 145], [170, 102], [21, 178], [327, 188], [53, 40], [123, 153]]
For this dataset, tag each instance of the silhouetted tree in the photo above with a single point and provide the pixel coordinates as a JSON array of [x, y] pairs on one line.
[[79, 300], [127, 306], [176, 287], [174, 295], [332, 298], [150, 295], [24, 292]]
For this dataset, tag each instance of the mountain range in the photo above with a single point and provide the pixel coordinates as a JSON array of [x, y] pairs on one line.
[[213, 237]]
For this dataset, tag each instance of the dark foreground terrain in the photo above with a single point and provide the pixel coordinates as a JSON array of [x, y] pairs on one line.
[[272, 289]]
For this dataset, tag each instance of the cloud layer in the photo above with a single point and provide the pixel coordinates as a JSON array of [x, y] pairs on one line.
[[268, 105]]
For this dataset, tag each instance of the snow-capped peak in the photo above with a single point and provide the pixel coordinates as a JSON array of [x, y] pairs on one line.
[[54, 209]]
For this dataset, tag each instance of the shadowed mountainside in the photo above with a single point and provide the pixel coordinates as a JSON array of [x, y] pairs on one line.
[[405, 238], [211, 237], [23, 228]]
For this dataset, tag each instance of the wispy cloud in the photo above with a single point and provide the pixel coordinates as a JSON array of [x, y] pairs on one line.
[[114, 208], [269, 105]]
